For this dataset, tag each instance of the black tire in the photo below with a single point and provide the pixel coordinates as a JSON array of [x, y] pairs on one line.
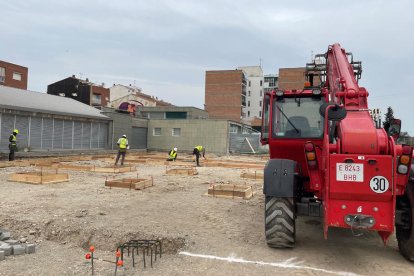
[[405, 235], [280, 222]]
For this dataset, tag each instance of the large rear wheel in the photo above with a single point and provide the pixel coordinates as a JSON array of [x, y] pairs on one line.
[[280, 222], [405, 232]]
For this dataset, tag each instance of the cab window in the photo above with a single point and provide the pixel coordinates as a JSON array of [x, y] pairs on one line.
[[297, 118]]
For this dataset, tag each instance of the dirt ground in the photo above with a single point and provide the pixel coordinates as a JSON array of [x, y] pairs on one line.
[[201, 235]]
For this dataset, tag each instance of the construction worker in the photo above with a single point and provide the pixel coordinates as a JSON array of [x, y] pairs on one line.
[[123, 146], [199, 150], [172, 155], [13, 144]]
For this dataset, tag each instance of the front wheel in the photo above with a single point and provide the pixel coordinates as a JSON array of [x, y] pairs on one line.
[[405, 233], [280, 222]]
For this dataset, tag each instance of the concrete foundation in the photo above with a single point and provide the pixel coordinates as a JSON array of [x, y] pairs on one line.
[[39, 177], [130, 183], [256, 175], [230, 191], [182, 171], [109, 169]]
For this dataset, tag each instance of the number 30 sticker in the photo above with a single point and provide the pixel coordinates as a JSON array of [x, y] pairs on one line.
[[379, 184]]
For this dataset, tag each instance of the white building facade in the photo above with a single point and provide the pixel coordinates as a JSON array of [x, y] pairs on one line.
[[254, 92]]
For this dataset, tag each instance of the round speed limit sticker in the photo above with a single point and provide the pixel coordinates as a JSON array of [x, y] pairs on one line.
[[379, 184]]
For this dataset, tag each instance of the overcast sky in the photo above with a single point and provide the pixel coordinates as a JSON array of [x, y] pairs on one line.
[[165, 47]]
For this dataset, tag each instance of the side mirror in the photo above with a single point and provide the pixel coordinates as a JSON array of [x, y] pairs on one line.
[[394, 129], [336, 113]]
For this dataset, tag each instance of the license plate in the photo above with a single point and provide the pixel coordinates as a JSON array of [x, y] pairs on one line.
[[350, 172]]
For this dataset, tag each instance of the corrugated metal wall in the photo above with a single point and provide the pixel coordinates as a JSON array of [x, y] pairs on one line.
[[52, 134], [238, 142], [139, 138]]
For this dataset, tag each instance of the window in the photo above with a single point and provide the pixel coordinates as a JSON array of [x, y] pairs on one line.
[[96, 98], [260, 103], [291, 120], [260, 114], [261, 93], [249, 93], [249, 83], [176, 132], [261, 82], [17, 76], [2, 74], [156, 131], [234, 129], [248, 113], [175, 115], [248, 103]]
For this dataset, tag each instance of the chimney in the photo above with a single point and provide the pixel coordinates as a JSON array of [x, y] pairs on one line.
[[87, 80], [73, 76]]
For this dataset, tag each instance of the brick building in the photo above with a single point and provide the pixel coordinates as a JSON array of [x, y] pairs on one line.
[[294, 78], [80, 90], [13, 75], [225, 94]]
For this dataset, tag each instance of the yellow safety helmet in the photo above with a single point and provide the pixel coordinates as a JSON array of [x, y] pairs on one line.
[[16, 131]]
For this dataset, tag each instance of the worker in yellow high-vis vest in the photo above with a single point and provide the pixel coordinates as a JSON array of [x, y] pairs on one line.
[[198, 151], [13, 144], [172, 155], [123, 146]]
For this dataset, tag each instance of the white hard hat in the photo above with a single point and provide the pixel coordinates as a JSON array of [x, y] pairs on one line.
[[175, 149], [124, 135]]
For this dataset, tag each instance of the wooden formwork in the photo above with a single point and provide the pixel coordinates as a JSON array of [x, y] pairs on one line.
[[114, 169], [230, 191], [182, 171], [16, 163], [252, 175], [111, 169], [176, 163], [130, 183], [39, 177], [235, 165]]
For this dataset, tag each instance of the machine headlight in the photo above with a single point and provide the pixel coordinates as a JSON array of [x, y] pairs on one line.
[[316, 92], [279, 93], [402, 169]]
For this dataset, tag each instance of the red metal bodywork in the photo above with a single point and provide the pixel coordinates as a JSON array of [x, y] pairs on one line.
[[357, 142]]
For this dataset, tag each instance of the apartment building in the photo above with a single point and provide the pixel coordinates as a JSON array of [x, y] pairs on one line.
[[81, 90], [271, 82], [13, 75], [225, 94]]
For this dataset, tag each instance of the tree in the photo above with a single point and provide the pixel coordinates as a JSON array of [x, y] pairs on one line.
[[388, 117]]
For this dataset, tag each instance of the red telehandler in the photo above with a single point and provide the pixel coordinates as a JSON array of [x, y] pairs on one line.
[[328, 159]]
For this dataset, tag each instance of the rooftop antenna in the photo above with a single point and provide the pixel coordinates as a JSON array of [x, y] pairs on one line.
[[260, 61], [312, 56], [134, 83]]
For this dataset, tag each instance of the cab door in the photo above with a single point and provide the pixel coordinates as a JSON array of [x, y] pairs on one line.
[[264, 138]]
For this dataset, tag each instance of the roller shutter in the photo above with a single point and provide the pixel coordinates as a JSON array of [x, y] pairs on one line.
[[58, 134], [67, 134], [35, 133], [77, 135], [86, 135], [47, 134], [95, 136], [7, 126], [22, 124]]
